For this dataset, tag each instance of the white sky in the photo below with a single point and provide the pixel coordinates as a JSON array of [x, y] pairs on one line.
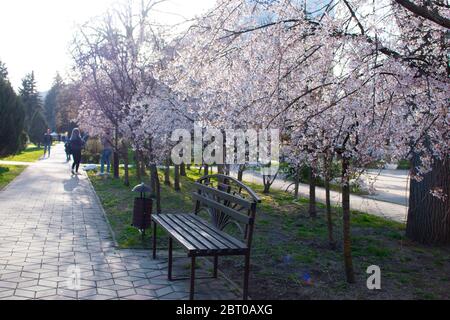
[[35, 34]]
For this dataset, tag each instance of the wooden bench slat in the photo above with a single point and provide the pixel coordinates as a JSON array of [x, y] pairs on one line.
[[224, 195], [215, 244], [227, 210], [207, 226], [188, 231], [161, 220], [198, 236], [218, 246], [184, 231], [219, 240]]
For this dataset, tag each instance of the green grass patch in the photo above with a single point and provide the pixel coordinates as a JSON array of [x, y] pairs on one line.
[[361, 219], [8, 173], [404, 165], [31, 154], [287, 244]]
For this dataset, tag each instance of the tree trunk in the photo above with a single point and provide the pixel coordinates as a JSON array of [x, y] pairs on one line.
[[153, 176], [157, 190], [183, 170], [296, 181], [137, 162], [167, 173], [241, 170], [428, 216], [206, 170], [126, 160], [177, 178], [116, 154], [268, 180], [126, 177], [142, 164], [331, 241], [116, 164], [346, 222], [266, 186], [312, 194]]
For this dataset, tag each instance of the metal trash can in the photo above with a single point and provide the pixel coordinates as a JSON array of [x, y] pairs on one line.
[[142, 210]]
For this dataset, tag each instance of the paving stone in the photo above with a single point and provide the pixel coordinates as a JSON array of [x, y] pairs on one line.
[[38, 288], [151, 286], [13, 267], [15, 298], [99, 297], [163, 291], [126, 292], [27, 283], [7, 284], [24, 293], [123, 282], [67, 293], [6, 293], [48, 283], [145, 292], [141, 282], [45, 293], [117, 287], [10, 275], [137, 297], [58, 297], [175, 296], [119, 274], [87, 293], [107, 292]]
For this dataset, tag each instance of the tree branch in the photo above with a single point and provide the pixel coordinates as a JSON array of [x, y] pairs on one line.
[[424, 12]]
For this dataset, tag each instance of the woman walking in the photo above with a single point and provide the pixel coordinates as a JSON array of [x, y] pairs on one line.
[[76, 144]]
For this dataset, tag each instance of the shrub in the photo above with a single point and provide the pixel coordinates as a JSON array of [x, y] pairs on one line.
[[92, 151]]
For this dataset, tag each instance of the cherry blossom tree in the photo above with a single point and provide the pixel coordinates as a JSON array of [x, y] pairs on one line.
[[115, 56]]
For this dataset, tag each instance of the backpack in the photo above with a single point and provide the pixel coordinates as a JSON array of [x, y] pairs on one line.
[[68, 147]]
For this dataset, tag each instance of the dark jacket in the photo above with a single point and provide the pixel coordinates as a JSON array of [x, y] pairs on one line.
[[76, 144], [47, 139]]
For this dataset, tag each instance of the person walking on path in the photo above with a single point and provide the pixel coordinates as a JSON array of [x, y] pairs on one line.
[[106, 153], [76, 144], [47, 143], [67, 149]]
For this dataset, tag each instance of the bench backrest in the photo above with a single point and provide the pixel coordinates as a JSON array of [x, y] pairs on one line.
[[228, 201]]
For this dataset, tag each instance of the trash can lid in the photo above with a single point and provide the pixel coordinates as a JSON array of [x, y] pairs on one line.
[[142, 188]]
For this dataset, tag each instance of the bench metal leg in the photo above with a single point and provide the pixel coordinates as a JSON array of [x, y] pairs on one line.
[[169, 273], [246, 276], [191, 292], [216, 262], [154, 240]]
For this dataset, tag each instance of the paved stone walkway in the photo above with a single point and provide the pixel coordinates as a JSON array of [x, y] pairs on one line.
[[52, 229]]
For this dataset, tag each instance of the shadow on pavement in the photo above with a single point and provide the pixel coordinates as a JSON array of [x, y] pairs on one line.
[[71, 184]]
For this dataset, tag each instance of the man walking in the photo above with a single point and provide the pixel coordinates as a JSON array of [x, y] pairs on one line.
[[47, 142], [106, 153]]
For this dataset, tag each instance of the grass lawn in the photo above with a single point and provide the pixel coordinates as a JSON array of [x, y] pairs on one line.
[[288, 245], [31, 154], [8, 173]]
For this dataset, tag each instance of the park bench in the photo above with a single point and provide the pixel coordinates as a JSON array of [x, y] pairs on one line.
[[224, 209]]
